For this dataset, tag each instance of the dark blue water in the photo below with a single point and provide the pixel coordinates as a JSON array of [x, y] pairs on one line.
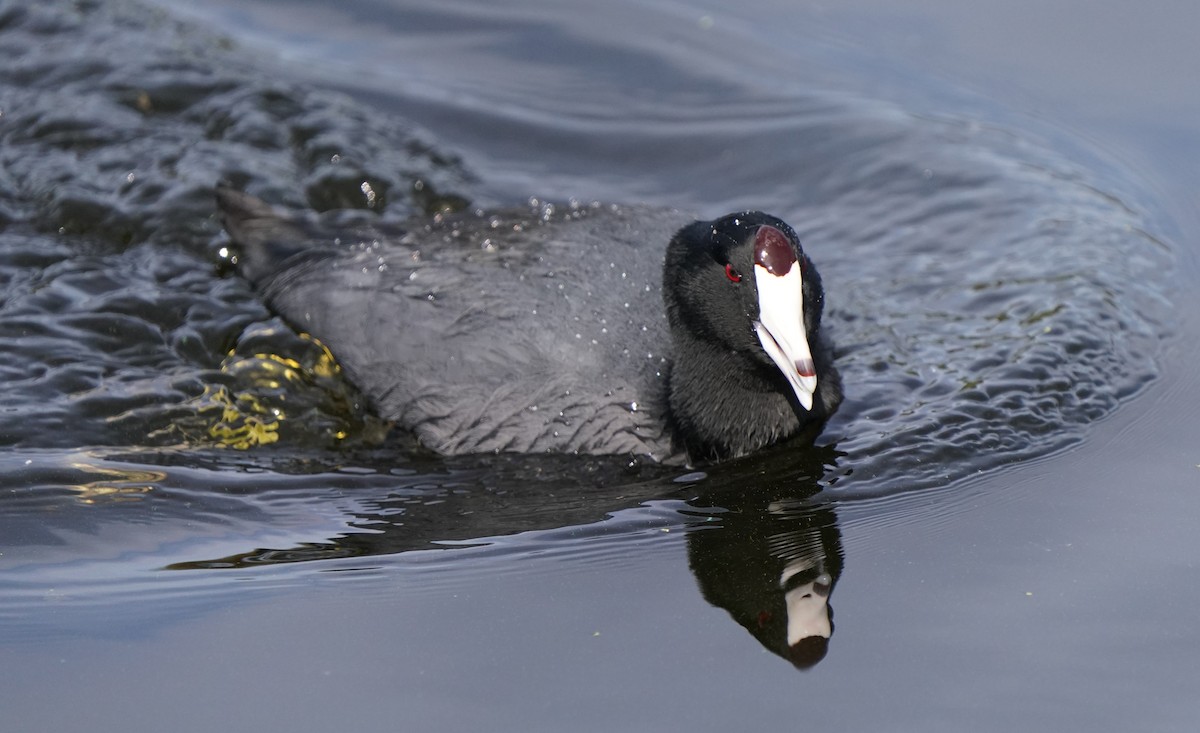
[[202, 526]]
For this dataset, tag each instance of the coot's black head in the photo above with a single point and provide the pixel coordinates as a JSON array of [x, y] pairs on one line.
[[744, 304]]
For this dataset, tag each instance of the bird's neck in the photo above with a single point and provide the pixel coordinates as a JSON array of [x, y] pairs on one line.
[[725, 403]]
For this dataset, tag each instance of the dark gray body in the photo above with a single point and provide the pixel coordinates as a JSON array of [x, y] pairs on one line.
[[485, 333]]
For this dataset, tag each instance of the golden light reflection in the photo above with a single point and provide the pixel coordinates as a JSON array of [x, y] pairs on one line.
[[273, 374], [245, 421], [115, 485], [253, 416]]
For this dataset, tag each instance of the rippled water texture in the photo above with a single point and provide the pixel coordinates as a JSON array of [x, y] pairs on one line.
[[992, 300], [194, 497], [115, 327], [989, 298]]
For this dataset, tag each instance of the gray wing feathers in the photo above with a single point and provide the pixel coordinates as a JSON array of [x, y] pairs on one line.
[[494, 349]]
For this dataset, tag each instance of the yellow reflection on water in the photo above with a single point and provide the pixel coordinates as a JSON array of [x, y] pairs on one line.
[[252, 410], [114, 484]]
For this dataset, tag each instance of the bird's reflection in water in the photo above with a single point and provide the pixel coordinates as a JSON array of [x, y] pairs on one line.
[[770, 556], [761, 543]]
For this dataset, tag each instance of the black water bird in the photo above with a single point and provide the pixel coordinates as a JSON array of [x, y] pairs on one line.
[[562, 332]]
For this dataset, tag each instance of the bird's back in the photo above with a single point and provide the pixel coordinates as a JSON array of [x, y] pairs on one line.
[[503, 332]]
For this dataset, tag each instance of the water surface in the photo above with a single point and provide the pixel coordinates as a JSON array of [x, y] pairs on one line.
[[195, 498]]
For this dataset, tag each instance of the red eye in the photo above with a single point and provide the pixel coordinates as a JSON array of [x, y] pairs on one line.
[[733, 275]]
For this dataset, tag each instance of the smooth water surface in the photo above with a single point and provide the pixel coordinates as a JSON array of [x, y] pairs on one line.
[[201, 525]]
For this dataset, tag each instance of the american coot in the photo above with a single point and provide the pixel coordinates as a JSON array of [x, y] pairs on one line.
[[536, 332]]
